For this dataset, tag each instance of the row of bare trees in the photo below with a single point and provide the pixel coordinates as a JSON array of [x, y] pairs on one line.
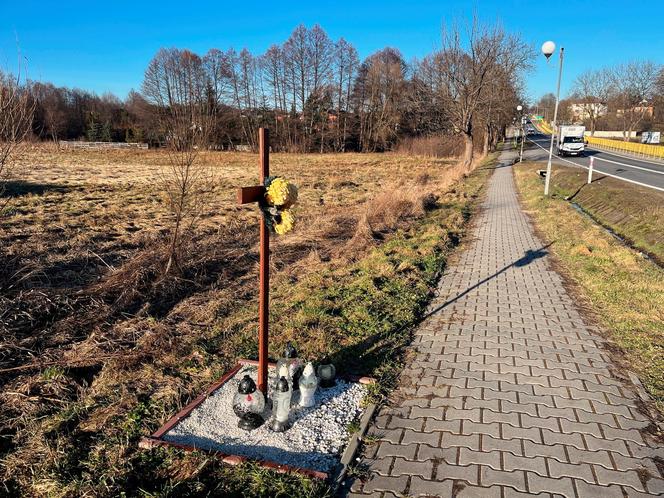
[[300, 89], [72, 113], [630, 92], [315, 94]]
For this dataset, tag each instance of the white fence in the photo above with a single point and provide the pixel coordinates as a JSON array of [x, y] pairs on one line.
[[69, 144], [610, 134]]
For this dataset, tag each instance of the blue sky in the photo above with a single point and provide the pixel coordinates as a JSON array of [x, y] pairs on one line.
[[106, 46]]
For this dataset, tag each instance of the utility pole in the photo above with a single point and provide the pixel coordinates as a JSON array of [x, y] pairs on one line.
[[523, 137], [548, 49], [519, 109]]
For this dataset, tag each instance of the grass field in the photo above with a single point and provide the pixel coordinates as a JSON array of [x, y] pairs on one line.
[[99, 347], [617, 285]]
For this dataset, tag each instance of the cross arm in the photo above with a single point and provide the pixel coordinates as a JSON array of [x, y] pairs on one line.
[[245, 195]]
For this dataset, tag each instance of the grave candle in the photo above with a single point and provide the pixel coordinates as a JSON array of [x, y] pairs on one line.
[[282, 401], [327, 373], [308, 385], [248, 404], [293, 366]]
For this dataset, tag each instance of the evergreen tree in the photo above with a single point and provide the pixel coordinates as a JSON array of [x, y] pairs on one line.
[[106, 132], [93, 131]]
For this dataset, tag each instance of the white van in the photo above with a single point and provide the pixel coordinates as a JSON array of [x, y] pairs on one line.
[[570, 140]]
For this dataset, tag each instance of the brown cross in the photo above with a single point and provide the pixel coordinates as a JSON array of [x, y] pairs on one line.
[[246, 195]]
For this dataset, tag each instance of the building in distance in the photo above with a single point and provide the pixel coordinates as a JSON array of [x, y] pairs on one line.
[[581, 111]]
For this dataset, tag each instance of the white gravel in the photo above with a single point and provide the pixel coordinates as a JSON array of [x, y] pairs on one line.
[[315, 440]]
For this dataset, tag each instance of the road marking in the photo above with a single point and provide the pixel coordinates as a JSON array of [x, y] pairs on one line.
[[626, 156], [595, 170], [628, 165]]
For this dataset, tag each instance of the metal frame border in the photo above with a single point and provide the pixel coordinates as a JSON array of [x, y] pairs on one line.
[[155, 440]]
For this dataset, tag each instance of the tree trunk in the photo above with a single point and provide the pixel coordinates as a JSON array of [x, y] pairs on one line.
[[467, 159], [495, 134], [485, 146]]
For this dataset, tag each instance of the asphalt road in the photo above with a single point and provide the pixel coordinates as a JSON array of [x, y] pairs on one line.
[[639, 171]]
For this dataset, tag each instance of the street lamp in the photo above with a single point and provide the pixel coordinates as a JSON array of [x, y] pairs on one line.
[[519, 108], [548, 48]]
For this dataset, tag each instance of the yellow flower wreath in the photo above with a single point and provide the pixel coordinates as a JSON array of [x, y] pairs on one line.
[[281, 193], [284, 222]]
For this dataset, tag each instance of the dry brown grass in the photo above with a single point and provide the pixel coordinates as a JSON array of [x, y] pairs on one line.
[[399, 202], [434, 146], [91, 330]]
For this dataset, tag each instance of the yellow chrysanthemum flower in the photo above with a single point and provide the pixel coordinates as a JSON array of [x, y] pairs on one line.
[[277, 192], [285, 222], [281, 193]]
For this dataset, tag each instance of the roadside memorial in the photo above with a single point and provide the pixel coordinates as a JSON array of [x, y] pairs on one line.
[[281, 414]]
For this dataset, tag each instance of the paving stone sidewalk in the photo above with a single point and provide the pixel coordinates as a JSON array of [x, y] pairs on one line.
[[509, 393]]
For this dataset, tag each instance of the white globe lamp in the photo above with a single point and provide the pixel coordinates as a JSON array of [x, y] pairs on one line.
[[548, 48]]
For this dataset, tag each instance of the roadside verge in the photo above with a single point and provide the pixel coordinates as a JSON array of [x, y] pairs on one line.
[[631, 212], [619, 287]]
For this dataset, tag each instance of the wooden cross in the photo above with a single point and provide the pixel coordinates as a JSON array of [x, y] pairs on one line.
[[246, 195]]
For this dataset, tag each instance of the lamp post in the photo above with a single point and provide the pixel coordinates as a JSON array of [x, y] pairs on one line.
[[519, 108], [547, 49]]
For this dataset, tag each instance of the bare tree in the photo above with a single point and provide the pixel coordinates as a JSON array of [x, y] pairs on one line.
[[345, 66], [501, 97], [321, 50], [634, 86], [659, 98], [593, 89], [308, 56], [49, 111], [378, 99], [246, 98], [217, 69], [659, 88], [16, 112], [275, 68], [499, 109], [465, 68], [177, 85], [545, 106]]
